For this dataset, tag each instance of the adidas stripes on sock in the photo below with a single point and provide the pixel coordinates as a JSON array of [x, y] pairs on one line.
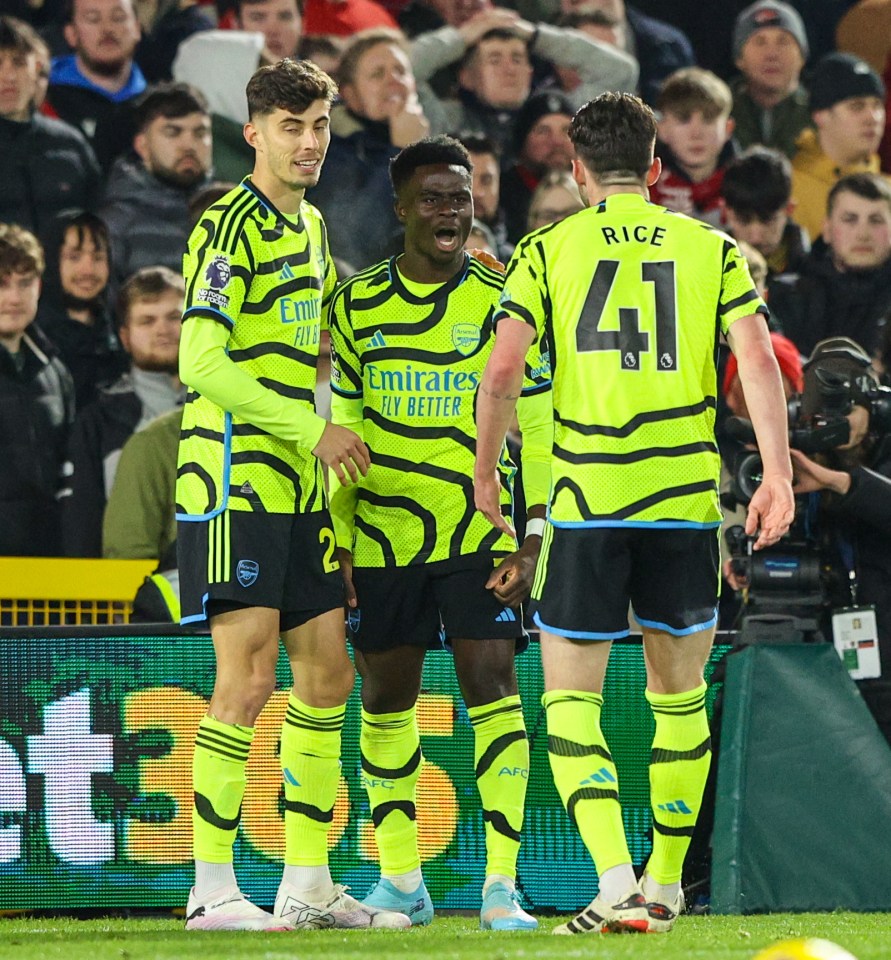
[[310, 760], [218, 779], [585, 775], [679, 765]]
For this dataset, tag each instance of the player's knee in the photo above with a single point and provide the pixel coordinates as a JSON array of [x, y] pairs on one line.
[[340, 686], [386, 698], [487, 680], [327, 686], [242, 701]]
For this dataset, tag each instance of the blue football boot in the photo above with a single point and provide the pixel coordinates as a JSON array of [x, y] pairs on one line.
[[417, 906], [501, 910]]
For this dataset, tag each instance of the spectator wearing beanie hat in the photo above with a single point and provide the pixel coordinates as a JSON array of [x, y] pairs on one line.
[[541, 142], [770, 106], [848, 109]]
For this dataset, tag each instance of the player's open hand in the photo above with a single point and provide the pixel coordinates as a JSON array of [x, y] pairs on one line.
[[487, 259], [487, 496], [345, 559], [771, 511], [511, 580], [344, 452]]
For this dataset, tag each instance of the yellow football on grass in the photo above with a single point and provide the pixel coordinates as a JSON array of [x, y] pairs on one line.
[[807, 949]]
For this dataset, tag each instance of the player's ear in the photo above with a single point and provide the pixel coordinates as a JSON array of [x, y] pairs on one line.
[[399, 208], [250, 134], [654, 172]]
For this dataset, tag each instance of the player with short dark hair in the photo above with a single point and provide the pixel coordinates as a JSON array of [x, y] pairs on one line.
[[632, 299], [410, 337], [255, 541]]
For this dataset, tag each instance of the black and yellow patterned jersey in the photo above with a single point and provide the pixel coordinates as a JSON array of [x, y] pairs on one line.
[[631, 299], [267, 278], [415, 358]]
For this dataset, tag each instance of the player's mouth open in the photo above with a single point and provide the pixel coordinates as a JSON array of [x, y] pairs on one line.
[[307, 165], [447, 238]]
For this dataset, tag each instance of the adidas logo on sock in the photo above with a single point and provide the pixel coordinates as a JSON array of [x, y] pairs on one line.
[[676, 806], [377, 340], [601, 776], [287, 273], [506, 616]]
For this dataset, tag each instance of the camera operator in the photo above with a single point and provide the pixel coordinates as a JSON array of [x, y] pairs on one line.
[[732, 448], [844, 493]]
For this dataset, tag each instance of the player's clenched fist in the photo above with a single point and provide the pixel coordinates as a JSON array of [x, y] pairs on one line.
[[344, 452]]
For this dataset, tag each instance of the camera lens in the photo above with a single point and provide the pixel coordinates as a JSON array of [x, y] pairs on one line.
[[749, 474], [835, 393]]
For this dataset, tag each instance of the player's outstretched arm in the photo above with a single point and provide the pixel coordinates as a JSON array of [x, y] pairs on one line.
[[772, 509]]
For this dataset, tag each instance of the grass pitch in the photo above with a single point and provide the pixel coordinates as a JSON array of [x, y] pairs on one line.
[[867, 936]]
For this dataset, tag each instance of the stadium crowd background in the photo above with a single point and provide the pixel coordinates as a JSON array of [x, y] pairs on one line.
[[121, 120]]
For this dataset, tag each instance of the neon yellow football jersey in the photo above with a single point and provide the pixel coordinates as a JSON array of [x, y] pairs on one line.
[[631, 299], [267, 278], [415, 360]]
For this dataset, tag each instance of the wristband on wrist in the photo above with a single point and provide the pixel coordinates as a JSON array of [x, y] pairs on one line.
[[534, 527]]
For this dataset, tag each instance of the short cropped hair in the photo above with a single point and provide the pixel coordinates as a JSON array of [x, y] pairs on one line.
[[147, 285], [169, 100], [17, 35], [693, 88], [869, 186], [613, 136], [359, 44], [758, 183], [291, 85], [478, 143], [87, 226], [422, 153], [20, 252]]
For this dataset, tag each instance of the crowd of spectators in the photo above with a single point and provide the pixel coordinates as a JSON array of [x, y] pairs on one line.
[[121, 121]]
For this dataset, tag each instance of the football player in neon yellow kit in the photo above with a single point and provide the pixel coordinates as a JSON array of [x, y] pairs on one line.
[[632, 299]]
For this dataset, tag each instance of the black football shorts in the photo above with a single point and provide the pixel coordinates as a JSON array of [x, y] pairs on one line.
[[587, 577], [244, 559]]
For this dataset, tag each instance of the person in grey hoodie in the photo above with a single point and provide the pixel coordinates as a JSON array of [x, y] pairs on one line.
[[146, 204]]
